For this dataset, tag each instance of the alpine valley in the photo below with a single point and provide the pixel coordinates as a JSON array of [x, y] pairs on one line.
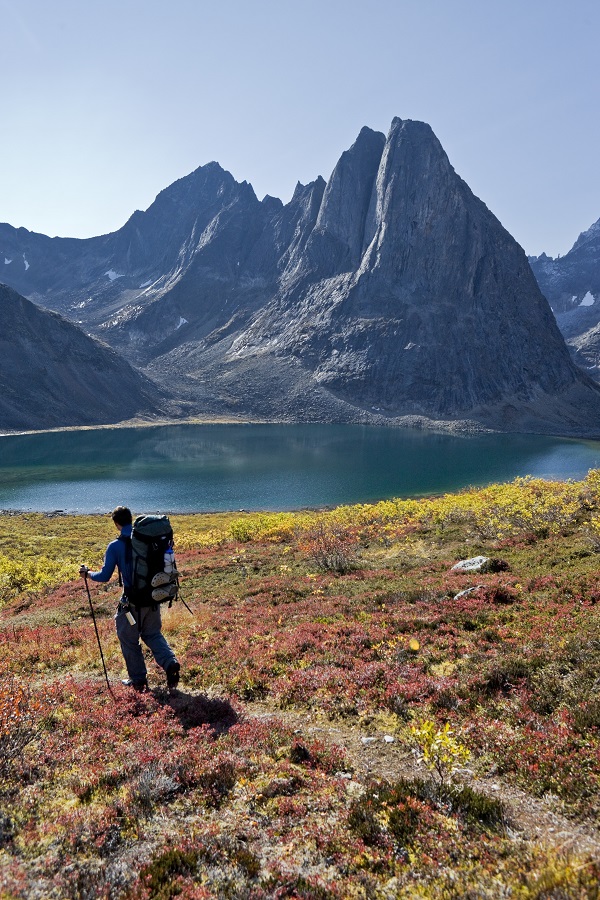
[[389, 294]]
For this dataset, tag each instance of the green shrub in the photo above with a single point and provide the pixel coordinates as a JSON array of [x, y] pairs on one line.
[[472, 806], [587, 716], [158, 877], [217, 782], [363, 822], [506, 673]]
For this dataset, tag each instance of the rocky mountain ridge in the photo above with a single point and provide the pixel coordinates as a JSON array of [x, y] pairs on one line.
[[571, 284], [388, 293]]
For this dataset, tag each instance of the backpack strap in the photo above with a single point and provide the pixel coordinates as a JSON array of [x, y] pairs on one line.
[[128, 556]]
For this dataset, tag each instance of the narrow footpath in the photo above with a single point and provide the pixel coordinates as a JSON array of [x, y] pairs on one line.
[[370, 755]]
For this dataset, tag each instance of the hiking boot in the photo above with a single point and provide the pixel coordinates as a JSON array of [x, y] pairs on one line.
[[160, 578], [172, 672], [164, 593], [140, 687]]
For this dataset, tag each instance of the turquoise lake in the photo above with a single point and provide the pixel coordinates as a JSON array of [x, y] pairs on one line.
[[189, 468]]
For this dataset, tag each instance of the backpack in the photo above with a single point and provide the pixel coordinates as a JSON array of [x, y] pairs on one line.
[[155, 578]]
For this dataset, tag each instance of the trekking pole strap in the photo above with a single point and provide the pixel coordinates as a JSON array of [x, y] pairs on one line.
[[179, 597]]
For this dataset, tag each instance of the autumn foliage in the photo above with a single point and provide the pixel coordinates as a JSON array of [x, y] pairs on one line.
[[22, 714], [349, 622]]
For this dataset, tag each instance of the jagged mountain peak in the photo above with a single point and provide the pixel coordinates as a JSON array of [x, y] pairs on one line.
[[586, 237], [401, 253], [415, 133], [411, 125], [303, 190], [413, 149], [273, 203], [205, 184], [338, 237], [365, 133], [389, 286]]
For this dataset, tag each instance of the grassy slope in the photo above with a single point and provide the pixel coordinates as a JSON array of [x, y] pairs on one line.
[[197, 797]]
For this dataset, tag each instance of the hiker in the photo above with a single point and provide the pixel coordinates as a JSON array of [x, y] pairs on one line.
[[134, 622]]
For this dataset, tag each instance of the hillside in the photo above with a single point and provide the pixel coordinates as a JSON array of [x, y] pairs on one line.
[[52, 374], [356, 718]]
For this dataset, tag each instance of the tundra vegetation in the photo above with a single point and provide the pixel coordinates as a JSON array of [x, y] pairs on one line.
[[320, 643]]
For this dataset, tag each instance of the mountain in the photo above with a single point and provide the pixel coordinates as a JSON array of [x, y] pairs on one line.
[[196, 231], [421, 303], [52, 374], [571, 284], [389, 293]]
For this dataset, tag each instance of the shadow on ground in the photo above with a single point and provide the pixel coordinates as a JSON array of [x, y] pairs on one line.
[[194, 710]]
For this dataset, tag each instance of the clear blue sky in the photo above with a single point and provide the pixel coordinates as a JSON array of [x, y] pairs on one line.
[[106, 102]]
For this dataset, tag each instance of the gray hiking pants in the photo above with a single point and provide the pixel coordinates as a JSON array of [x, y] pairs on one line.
[[148, 628]]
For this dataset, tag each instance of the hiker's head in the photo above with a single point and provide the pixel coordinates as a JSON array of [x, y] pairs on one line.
[[121, 516]]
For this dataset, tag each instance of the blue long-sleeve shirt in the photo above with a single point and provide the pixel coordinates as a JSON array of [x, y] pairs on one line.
[[116, 558]]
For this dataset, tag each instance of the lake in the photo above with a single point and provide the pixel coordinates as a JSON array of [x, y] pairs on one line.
[[191, 468]]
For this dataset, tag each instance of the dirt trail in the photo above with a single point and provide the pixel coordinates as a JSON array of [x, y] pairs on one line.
[[527, 818]]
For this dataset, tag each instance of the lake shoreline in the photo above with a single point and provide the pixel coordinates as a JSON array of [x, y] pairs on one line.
[[457, 427], [140, 423]]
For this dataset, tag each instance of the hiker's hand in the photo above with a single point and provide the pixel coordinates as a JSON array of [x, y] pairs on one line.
[[83, 570]]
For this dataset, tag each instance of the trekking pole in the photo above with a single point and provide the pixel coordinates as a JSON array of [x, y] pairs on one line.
[[110, 691]]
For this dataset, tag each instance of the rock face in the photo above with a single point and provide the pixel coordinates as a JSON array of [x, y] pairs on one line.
[[52, 375], [388, 292], [571, 284]]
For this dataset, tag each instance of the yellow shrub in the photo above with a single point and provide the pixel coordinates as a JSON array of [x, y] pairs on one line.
[[442, 753], [188, 539], [32, 574], [277, 527], [527, 505], [590, 490]]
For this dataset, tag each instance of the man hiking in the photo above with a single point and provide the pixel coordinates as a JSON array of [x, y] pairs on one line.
[[134, 622]]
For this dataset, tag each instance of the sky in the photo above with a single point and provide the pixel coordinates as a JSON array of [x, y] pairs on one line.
[[106, 102]]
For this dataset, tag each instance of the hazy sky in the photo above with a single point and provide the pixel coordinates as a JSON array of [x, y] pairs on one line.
[[106, 102]]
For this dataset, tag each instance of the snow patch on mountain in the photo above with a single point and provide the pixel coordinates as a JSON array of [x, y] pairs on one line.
[[113, 275], [7, 262], [588, 300]]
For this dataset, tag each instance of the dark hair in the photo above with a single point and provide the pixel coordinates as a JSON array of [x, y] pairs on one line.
[[121, 516]]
